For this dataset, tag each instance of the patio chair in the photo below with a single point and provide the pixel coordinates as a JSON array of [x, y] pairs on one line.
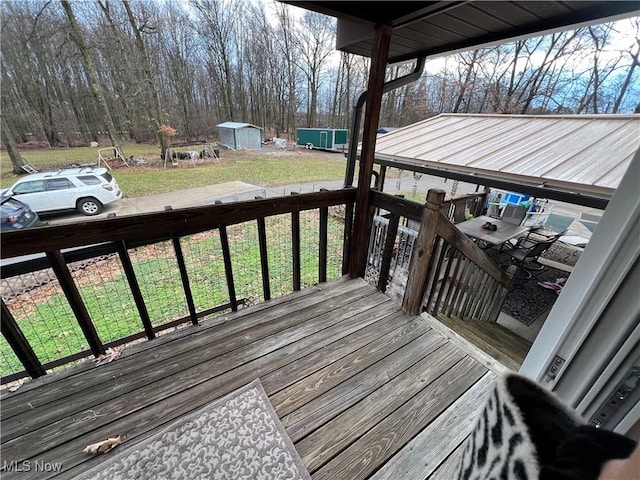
[[526, 251], [513, 214]]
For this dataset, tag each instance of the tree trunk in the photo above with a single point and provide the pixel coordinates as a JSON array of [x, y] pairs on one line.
[[149, 79], [92, 74], [7, 140]]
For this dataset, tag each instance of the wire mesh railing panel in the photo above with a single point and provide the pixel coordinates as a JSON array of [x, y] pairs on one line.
[[280, 253], [335, 244], [44, 316], [400, 258], [245, 257], [107, 296], [309, 247], [205, 267], [157, 272], [9, 362]]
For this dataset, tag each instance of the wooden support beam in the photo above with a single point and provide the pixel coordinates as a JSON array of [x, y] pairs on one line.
[[422, 252], [138, 298], [78, 307], [184, 277], [19, 344], [361, 230]]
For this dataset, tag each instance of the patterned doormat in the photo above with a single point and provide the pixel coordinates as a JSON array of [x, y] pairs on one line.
[[527, 300], [238, 436]]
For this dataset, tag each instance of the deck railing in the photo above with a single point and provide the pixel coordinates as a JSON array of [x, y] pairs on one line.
[[456, 209], [85, 288], [436, 268]]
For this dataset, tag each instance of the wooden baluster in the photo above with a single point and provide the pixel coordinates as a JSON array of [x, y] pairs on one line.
[[322, 242], [264, 259], [78, 307], [19, 344], [228, 268], [348, 234], [184, 276], [454, 282], [138, 298], [445, 283]]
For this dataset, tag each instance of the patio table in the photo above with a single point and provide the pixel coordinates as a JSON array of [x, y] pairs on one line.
[[505, 231]]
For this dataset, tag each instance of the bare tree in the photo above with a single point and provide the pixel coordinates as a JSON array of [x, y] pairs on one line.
[[149, 75], [90, 70], [17, 161], [315, 46], [634, 53]]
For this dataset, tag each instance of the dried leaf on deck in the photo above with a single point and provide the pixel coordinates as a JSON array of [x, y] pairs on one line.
[[103, 446], [13, 386], [111, 355]]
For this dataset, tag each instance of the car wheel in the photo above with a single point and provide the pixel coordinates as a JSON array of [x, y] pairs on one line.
[[89, 206]]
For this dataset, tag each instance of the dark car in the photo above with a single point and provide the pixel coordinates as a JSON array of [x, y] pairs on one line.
[[16, 214]]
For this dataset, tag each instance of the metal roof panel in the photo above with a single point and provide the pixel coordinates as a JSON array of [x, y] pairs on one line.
[[583, 152]]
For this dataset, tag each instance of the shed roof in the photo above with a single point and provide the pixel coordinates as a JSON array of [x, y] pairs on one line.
[[237, 125], [583, 155]]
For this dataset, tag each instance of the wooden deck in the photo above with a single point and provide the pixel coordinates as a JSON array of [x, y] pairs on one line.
[[363, 390]]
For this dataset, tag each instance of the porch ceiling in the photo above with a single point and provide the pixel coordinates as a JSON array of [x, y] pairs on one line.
[[443, 27]]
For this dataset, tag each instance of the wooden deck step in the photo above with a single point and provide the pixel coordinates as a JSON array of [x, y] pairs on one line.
[[499, 346]]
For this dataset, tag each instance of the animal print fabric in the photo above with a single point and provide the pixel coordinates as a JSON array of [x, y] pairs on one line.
[[236, 437], [519, 430]]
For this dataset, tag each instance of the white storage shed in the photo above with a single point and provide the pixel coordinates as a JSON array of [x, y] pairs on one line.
[[240, 135]]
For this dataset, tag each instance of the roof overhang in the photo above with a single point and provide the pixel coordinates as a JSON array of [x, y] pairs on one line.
[[560, 192], [578, 159], [428, 29]]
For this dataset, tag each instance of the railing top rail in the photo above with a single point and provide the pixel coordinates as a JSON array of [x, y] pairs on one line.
[[159, 224], [467, 196], [461, 242], [406, 208]]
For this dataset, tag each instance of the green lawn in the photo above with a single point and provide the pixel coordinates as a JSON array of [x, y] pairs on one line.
[[48, 322], [266, 168], [269, 171]]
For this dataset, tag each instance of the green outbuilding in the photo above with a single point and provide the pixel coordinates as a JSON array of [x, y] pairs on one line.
[[322, 138]]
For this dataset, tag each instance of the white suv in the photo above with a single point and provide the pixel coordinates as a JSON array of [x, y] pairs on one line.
[[84, 189]]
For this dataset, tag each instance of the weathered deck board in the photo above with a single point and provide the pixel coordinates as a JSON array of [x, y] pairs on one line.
[[198, 335], [422, 456], [350, 375], [223, 356], [376, 446]]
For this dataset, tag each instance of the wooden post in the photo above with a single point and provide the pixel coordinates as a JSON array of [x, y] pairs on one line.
[[19, 344], [138, 298], [422, 251], [78, 307], [361, 230]]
